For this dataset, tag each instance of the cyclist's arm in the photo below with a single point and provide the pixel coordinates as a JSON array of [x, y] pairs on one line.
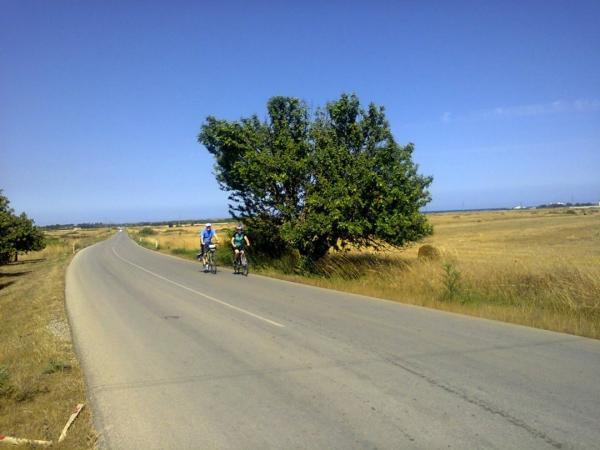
[[247, 241], [232, 243]]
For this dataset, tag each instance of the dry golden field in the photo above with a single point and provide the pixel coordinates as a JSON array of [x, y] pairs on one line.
[[538, 268], [40, 377], [184, 237]]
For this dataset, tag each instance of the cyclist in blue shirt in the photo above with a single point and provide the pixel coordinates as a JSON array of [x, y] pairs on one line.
[[206, 237]]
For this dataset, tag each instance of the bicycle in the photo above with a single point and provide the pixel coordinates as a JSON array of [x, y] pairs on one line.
[[211, 265], [240, 264]]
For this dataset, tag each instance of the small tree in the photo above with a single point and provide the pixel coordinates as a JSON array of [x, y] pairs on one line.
[[315, 183], [17, 233]]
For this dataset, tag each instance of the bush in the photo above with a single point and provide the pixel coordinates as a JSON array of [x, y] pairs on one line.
[[29, 391], [18, 234], [56, 366], [147, 231], [5, 388], [224, 254], [452, 282], [428, 252]]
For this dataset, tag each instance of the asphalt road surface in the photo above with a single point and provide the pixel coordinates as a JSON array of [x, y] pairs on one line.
[[176, 358]]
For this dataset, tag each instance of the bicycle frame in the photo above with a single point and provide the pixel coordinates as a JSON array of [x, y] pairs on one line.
[[208, 258], [240, 261]]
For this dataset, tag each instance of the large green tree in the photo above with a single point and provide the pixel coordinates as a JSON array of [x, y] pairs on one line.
[[18, 234], [319, 181]]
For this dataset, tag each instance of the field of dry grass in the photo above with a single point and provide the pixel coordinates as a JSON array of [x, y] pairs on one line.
[[40, 377], [538, 268], [184, 237], [182, 240]]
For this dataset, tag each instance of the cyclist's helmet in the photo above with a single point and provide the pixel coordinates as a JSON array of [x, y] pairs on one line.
[[208, 225], [239, 227]]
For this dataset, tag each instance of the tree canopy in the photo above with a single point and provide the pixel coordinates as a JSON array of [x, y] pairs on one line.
[[322, 180], [17, 233]]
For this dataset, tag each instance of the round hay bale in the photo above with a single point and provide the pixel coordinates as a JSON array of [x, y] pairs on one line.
[[428, 252]]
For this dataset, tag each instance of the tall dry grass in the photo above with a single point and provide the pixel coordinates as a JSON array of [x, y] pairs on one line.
[[537, 268], [185, 237], [560, 298], [183, 240]]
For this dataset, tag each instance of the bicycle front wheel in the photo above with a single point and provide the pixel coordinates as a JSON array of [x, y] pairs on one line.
[[212, 267], [244, 265]]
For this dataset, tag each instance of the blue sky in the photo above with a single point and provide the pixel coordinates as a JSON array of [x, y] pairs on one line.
[[101, 101]]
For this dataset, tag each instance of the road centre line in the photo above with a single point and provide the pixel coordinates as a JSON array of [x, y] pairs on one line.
[[216, 300]]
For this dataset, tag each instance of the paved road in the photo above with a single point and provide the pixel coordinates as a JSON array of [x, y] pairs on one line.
[[177, 359]]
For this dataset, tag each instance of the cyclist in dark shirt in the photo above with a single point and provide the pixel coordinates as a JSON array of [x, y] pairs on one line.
[[239, 241]]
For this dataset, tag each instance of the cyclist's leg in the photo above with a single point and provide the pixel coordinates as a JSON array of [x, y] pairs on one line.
[[237, 261], [205, 254]]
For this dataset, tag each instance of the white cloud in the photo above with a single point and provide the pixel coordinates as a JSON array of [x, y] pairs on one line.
[[531, 110]]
